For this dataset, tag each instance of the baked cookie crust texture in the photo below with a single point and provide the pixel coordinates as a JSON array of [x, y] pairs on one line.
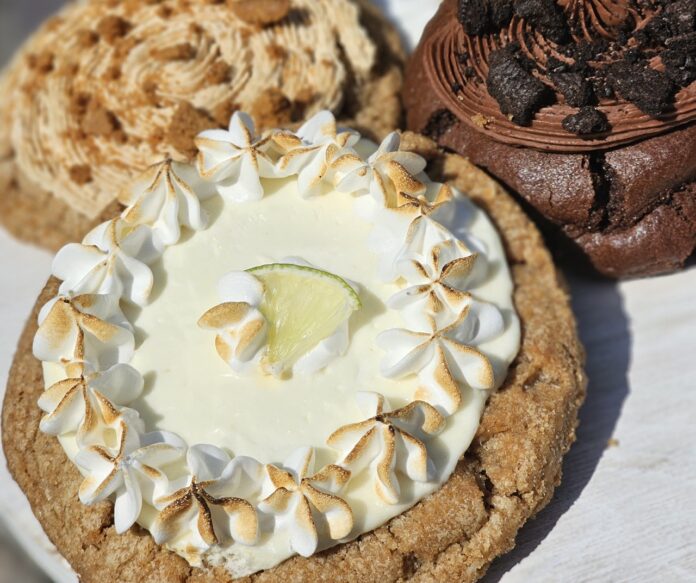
[[508, 474]]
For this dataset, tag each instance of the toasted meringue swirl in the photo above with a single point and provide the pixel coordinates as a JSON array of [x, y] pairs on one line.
[[438, 303]]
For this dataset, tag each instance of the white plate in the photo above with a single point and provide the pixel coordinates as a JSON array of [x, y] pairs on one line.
[[623, 513]]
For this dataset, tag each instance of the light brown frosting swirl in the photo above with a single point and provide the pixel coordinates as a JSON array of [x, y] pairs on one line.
[[589, 20], [105, 89]]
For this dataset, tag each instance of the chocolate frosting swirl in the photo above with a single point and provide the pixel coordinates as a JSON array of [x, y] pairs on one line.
[[457, 65]]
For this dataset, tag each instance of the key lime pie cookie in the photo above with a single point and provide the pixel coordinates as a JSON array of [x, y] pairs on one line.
[[300, 358], [107, 88]]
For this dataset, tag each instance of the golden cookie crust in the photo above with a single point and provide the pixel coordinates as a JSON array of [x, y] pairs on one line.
[[105, 88], [508, 474]]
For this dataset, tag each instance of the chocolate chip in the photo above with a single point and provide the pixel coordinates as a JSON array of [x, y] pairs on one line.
[[574, 87], [649, 90], [589, 120], [464, 66], [517, 92], [546, 16], [456, 87]]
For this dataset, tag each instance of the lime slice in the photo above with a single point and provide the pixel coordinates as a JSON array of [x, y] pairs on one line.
[[302, 306]]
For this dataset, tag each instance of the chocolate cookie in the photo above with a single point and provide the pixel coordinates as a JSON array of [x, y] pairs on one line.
[[508, 474], [587, 110], [106, 88]]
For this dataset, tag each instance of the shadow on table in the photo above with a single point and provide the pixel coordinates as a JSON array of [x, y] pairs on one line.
[[604, 331]]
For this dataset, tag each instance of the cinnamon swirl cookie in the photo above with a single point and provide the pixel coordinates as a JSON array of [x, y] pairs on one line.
[[585, 108], [106, 88], [304, 358]]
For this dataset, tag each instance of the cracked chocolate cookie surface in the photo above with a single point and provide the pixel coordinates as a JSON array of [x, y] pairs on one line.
[[595, 128], [507, 476]]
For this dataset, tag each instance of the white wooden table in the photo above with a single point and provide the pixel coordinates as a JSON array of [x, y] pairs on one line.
[[626, 510]]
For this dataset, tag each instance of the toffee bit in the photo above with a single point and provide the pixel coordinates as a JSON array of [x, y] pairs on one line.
[[480, 120]]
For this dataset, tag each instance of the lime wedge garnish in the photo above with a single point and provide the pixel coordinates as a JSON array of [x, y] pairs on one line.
[[302, 306]]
